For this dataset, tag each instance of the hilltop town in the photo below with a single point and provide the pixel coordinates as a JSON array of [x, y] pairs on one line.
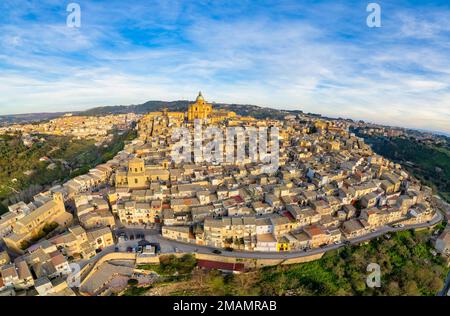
[[79, 127], [329, 189]]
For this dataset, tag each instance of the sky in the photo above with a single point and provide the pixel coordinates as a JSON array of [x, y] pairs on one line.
[[315, 56]]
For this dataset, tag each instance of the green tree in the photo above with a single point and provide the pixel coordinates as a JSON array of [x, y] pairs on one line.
[[133, 282], [411, 288]]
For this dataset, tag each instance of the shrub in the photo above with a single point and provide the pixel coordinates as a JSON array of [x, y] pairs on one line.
[[133, 282]]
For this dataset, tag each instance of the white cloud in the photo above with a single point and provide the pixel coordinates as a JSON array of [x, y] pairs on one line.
[[254, 60]]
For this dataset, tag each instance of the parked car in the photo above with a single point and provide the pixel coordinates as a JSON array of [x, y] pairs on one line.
[[217, 251], [156, 245]]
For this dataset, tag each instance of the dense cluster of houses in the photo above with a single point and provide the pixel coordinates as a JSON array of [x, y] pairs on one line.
[[329, 187]]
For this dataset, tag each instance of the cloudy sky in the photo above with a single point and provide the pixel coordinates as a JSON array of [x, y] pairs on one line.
[[315, 56]]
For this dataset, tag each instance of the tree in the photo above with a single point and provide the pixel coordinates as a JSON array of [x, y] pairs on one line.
[[436, 284], [359, 285], [393, 289], [133, 282], [281, 285], [411, 289], [244, 283], [216, 283]]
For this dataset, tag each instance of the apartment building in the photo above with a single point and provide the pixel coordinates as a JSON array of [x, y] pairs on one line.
[[30, 225]]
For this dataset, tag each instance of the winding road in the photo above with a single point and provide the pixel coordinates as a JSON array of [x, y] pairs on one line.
[[172, 246]]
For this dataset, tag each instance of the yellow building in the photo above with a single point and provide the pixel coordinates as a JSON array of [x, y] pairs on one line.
[[134, 177], [165, 113], [180, 233], [138, 176], [31, 225], [283, 244], [132, 212], [333, 145], [157, 123], [4, 257], [221, 115], [78, 242], [200, 109], [321, 125]]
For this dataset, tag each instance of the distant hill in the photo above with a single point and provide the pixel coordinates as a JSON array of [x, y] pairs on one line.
[[257, 112], [29, 117], [149, 106], [182, 105]]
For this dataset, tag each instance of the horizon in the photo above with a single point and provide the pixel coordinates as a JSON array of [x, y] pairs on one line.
[[214, 102], [314, 56]]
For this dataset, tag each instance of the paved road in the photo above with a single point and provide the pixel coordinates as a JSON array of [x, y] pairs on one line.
[[171, 246], [105, 251], [446, 288]]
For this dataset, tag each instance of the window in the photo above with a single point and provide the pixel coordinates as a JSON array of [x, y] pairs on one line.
[[135, 180]]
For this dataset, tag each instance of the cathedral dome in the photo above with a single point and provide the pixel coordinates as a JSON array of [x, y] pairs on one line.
[[200, 97]]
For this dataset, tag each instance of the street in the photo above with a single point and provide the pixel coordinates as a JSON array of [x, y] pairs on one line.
[[172, 246]]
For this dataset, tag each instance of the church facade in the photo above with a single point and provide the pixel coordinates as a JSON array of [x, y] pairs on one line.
[[199, 109], [202, 110]]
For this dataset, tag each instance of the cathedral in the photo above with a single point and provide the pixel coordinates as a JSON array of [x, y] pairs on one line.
[[200, 109]]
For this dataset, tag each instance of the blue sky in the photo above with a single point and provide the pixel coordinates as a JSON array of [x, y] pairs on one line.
[[315, 56]]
